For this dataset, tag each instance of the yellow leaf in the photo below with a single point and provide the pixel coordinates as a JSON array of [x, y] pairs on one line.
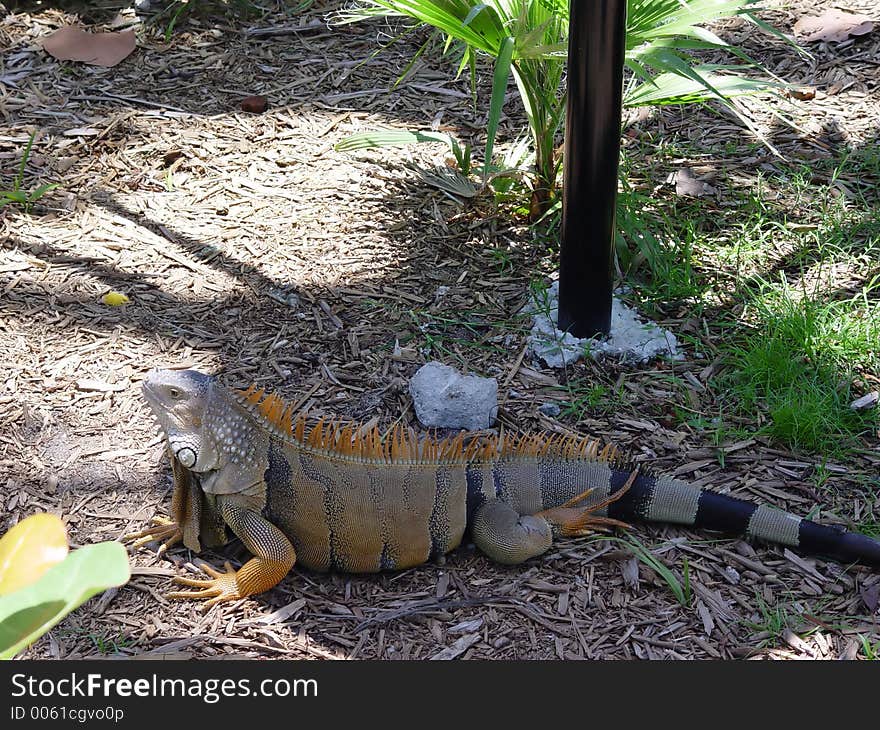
[[115, 299], [29, 549]]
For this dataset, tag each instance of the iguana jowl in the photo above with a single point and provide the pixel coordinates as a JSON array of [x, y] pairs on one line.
[[334, 496]]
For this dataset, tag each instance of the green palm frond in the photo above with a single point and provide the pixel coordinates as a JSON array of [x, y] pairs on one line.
[[528, 40]]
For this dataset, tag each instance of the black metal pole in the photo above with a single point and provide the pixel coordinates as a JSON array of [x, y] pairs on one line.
[[597, 36]]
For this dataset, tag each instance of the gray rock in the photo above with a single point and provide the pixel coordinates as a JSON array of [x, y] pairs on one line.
[[444, 398], [631, 339], [286, 297], [550, 409], [866, 401]]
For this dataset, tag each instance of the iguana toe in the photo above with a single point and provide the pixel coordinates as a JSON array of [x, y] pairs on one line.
[[163, 529], [571, 520], [219, 588]]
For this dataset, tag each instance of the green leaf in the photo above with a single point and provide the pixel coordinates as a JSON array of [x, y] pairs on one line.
[[14, 196], [673, 88], [662, 38], [24, 159], [390, 138], [499, 90], [40, 191], [27, 614], [449, 181], [682, 594], [767, 28]]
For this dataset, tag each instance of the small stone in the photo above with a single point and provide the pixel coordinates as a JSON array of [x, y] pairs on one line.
[[288, 298], [866, 401], [444, 398], [254, 104], [550, 409]]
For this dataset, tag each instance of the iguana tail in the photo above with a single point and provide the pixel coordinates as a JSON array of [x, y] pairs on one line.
[[660, 498]]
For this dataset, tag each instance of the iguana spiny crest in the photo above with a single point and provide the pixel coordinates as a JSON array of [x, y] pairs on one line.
[[337, 495]]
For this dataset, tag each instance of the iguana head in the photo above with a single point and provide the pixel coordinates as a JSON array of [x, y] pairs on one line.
[[208, 431], [180, 400]]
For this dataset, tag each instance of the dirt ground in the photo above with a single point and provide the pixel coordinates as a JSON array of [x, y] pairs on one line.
[[249, 247]]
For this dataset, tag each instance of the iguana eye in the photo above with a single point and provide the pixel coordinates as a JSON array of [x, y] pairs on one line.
[[174, 392]]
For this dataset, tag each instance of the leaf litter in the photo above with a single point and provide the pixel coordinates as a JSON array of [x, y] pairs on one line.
[[202, 214], [74, 43]]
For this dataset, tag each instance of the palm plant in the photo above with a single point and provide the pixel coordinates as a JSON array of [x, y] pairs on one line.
[[528, 40]]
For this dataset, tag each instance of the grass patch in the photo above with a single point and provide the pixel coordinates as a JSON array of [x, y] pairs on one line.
[[870, 525], [588, 400], [782, 278], [654, 243], [451, 334], [17, 194], [869, 649], [772, 622], [794, 371]]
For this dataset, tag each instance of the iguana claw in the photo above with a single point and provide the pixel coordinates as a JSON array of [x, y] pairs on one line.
[[219, 588], [571, 520], [169, 531]]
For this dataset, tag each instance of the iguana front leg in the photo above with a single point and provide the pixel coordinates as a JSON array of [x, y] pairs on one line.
[[186, 514], [274, 556]]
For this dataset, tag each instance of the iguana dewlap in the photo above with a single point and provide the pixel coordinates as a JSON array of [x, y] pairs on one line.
[[334, 496]]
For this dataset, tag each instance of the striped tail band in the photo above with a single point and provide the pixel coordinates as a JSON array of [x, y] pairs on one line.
[[660, 498]]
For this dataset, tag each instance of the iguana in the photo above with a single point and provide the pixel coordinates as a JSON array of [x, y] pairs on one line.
[[337, 496]]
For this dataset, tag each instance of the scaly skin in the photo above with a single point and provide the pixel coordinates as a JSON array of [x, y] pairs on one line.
[[334, 496]]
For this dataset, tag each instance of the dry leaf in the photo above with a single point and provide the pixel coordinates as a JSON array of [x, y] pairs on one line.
[[114, 299], [282, 614], [458, 648], [99, 386], [170, 157], [254, 104], [871, 597], [850, 652], [706, 617], [868, 400], [803, 93], [466, 627], [630, 572], [99, 49], [832, 26]]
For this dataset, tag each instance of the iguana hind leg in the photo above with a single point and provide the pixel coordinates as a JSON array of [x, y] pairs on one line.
[[274, 556], [569, 520], [507, 537]]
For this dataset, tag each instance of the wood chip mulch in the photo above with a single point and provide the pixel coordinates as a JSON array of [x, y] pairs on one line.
[[249, 247]]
